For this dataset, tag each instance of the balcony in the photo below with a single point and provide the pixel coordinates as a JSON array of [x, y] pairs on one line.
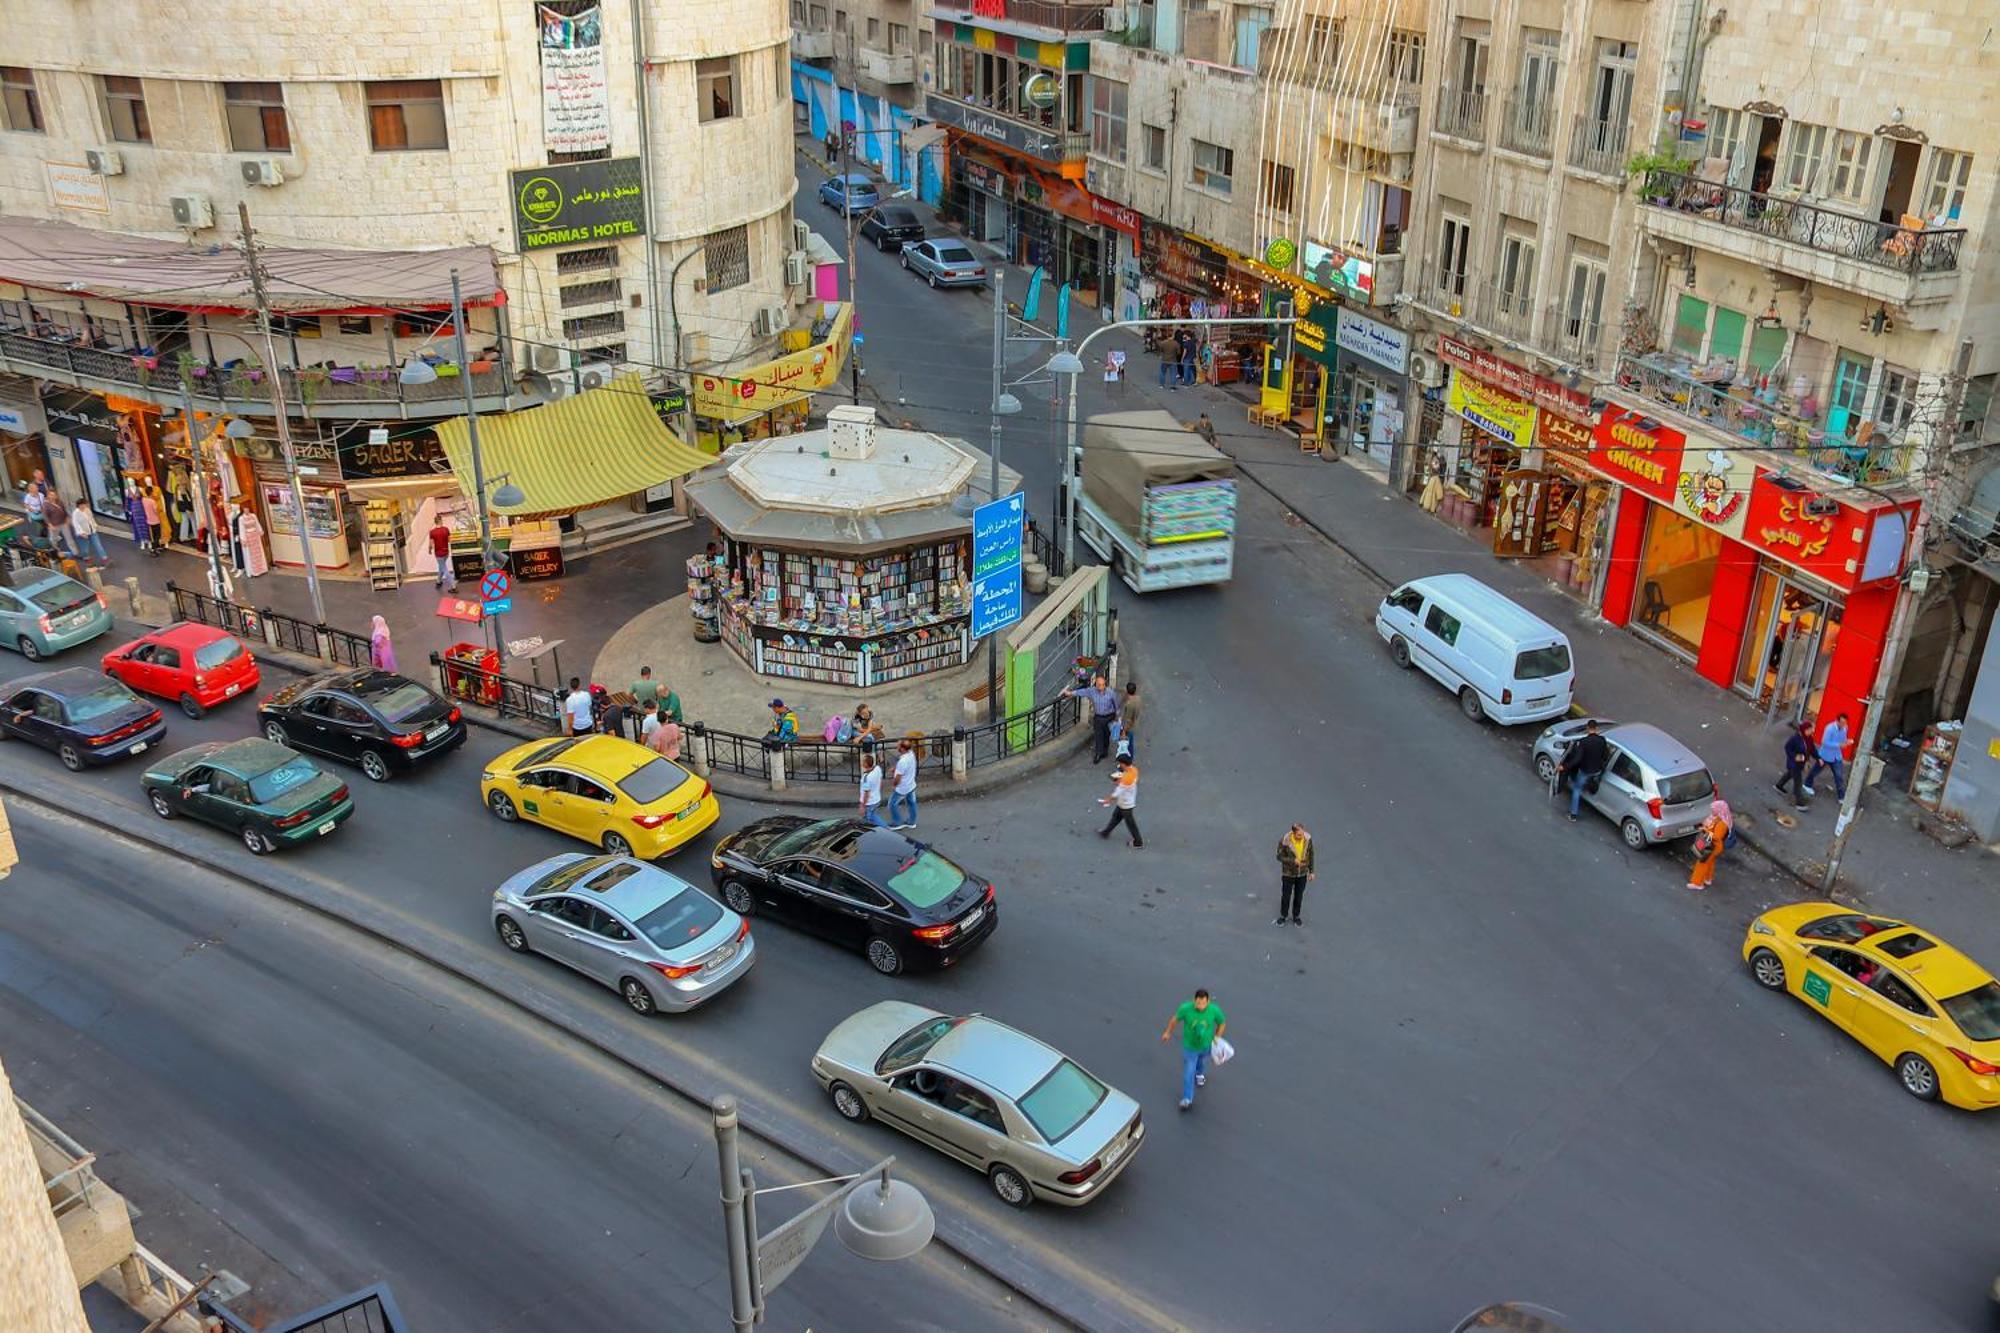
[[1599, 146], [1900, 264], [1387, 124], [1509, 313], [1051, 15], [812, 45], [1575, 339], [1461, 115], [1830, 442], [1527, 127], [888, 67]]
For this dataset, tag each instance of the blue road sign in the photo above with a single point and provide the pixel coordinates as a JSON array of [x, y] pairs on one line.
[[997, 534], [498, 606], [996, 601]]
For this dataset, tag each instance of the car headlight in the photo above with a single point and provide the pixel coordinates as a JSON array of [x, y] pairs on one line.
[[488, 777], [1759, 928]]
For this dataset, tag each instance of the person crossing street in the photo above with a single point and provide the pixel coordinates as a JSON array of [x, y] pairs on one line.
[[1295, 868], [1122, 800], [905, 791], [1201, 1021]]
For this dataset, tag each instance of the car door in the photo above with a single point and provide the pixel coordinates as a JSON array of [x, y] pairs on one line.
[[854, 908], [1623, 789], [802, 884], [968, 1123], [1832, 982], [909, 1102], [348, 726], [555, 927], [15, 617], [21, 717], [1435, 644], [539, 790], [588, 806], [226, 803], [135, 669], [164, 668], [604, 945], [305, 725], [51, 727], [923, 257], [181, 794], [1890, 1017]]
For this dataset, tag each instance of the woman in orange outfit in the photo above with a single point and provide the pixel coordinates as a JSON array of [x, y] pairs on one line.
[[1708, 843]]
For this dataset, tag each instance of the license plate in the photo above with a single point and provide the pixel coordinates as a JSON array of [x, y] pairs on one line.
[[231, 690], [973, 918], [434, 732], [722, 955], [1545, 699], [325, 828], [140, 746]]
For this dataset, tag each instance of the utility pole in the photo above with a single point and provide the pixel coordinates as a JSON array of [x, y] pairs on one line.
[[847, 214], [273, 378], [218, 579], [994, 712], [486, 556]]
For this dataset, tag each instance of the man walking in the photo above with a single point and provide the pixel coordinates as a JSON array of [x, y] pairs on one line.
[[1201, 1021], [1123, 799], [576, 709], [34, 502], [1798, 753], [1103, 707], [83, 527], [56, 515], [441, 552], [871, 792], [1295, 867], [1833, 755], [1128, 718], [1583, 765], [1170, 356], [1185, 342], [905, 792]]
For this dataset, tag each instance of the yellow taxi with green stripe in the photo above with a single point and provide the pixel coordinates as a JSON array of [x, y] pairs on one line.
[[1923, 1008], [607, 791]]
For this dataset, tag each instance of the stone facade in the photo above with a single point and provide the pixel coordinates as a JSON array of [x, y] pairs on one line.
[[881, 47], [37, 1288]]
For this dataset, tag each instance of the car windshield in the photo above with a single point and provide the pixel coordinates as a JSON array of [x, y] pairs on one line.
[[212, 655], [563, 876], [788, 843], [926, 880], [913, 1045], [1541, 663], [106, 698], [270, 786], [955, 254], [545, 754], [1977, 1012], [402, 701], [65, 595], [1063, 1100], [652, 780], [688, 915], [897, 217], [1847, 928], [1682, 788]]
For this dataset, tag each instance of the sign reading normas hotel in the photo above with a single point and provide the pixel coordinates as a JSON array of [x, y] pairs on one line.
[[581, 203]]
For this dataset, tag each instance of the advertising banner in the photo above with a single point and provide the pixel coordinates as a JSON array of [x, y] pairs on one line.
[[1494, 411], [775, 383], [1640, 452], [581, 203], [576, 102]]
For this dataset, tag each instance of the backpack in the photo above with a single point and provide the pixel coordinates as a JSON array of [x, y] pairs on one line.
[[836, 729]]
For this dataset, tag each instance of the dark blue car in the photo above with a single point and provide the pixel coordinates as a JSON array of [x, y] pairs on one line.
[[85, 717]]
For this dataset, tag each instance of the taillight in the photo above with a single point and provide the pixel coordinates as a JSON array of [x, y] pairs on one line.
[[1506, 696], [673, 973], [1653, 807], [408, 740], [288, 821], [102, 605], [705, 790], [453, 716], [1974, 1063], [989, 894], [649, 821], [339, 795], [934, 932], [743, 929], [1082, 1173], [43, 621]]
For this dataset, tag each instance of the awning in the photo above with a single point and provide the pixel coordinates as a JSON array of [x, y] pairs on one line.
[[404, 488], [600, 445], [758, 389]]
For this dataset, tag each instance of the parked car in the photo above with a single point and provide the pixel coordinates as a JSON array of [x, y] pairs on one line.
[[898, 901], [1654, 788], [891, 225], [80, 715], [656, 939], [384, 722], [1501, 660], [1922, 1007], [198, 665], [1032, 1120], [944, 263], [613, 794], [266, 794], [43, 612], [852, 193]]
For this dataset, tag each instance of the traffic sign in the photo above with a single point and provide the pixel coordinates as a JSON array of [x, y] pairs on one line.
[[996, 563], [498, 606], [494, 585]]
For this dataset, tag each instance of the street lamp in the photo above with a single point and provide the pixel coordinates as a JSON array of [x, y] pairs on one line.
[[890, 1221], [853, 276]]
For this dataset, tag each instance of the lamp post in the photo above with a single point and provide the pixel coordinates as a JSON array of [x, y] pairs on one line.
[[1004, 405], [220, 586], [890, 1221]]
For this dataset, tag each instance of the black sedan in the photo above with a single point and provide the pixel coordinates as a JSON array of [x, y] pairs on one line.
[[890, 225], [383, 722], [873, 889], [85, 717]]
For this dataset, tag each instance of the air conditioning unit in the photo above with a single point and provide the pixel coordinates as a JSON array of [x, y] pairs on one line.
[[771, 321], [547, 358], [798, 268], [801, 235], [1427, 371], [557, 387], [262, 171], [193, 211], [593, 379], [105, 161], [694, 349]]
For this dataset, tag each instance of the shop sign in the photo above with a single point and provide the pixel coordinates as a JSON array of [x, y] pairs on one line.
[[980, 176], [1375, 341], [314, 451], [1495, 411], [13, 421], [418, 455], [1843, 545], [580, 203], [1540, 390], [1028, 139], [1714, 488], [1115, 216], [75, 185], [1184, 261], [1349, 275], [81, 415], [1316, 335], [1560, 435], [541, 562], [776, 383], [1640, 452]]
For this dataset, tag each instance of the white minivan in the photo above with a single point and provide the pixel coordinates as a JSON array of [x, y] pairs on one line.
[[1502, 661]]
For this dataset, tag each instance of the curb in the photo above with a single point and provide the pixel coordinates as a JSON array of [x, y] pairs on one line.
[[962, 1235]]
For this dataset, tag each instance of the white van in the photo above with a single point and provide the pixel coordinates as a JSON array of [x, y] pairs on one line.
[[1502, 662]]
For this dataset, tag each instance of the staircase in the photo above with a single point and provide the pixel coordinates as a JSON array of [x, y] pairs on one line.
[[608, 527]]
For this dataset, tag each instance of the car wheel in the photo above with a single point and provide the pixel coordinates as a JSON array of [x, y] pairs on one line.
[[848, 1102], [1768, 969], [160, 806], [931, 278], [258, 844], [502, 806], [637, 998], [1012, 1189], [1399, 651], [1917, 1077], [375, 766], [1635, 836], [191, 706], [615, 844], [274, 732], [72, 758], [737, 896], [511, 934], [1545, 767], [29, 649], [1468, 704], [906, 261], [884, 957]]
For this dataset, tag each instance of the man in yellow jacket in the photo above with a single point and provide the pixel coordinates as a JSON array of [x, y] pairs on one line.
[[1295, 867]]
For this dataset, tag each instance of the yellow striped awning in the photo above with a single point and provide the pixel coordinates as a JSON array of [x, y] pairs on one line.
[[573, 454]]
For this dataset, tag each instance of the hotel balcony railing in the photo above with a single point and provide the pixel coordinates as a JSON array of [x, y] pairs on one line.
[[1828, 231], [1527, 127], [1598, 146], [1461, 115], [1765, 418]]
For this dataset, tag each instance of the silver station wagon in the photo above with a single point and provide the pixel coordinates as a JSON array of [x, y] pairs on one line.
[[1654, 789], [1034, 1121]]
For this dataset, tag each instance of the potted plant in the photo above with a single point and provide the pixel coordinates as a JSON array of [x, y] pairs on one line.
[[1655, 170]]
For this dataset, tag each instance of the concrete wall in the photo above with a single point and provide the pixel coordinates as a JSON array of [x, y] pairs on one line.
[[37, 1289]]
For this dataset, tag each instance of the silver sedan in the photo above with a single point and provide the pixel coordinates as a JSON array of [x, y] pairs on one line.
[[944, 263], [656, 939], [1032, 1120]]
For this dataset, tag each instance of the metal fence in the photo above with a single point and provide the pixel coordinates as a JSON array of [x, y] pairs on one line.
[[991, 742], [290, 633], [232, 616], [347, 649], [1917, 249], [496, 690]]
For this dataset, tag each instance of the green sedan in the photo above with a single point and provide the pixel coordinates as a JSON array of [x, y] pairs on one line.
[[268, 795]]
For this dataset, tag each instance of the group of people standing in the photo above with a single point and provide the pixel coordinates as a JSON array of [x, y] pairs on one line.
[[156, 519], [1182, 356], [70, 529]]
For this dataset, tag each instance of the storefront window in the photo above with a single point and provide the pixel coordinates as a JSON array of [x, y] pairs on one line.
[[1676, 574]]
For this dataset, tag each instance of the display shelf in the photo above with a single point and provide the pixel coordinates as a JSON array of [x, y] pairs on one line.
[[1934, 763]]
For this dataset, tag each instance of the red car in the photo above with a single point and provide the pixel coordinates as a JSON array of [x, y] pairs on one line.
[[197, 664]]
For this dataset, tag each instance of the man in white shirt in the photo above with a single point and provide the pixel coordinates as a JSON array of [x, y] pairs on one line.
[[577, 720], [650, 723], [906, 784], [871, 791]]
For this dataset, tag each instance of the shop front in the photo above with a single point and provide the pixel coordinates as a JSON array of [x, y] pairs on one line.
[[92, 449], [1041, 218], [774, 398], [1370, 387], [1569, 522], [400, 482], [1495, 433], [22, 450]]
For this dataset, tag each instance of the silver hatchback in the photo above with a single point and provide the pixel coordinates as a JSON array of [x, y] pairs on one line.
[[1654, 788], [1032, 1120], [656, 939]]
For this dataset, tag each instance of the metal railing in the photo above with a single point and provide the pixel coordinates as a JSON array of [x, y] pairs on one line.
[[1054, 14], [1598, 146], [505, 694], [1045, 549], [243, 621], [1826, 230], [1527, 127], [346, 649], [1505, 311], [290, 633], [1461, 115], [991, 742]]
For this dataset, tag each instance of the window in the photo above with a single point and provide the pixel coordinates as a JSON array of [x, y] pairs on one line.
[[591, 326], [1851, 152], [1725, 339], [1805, 155], [1536, 87], [585, 261], [1852, 964], [1977, 1012], [406, 116], [1251, 21], [1278, 186], [1407, 600], [23, 105], [1583, 306], [1725, 133], [1611, 96], [125, 109], [1980, 391], [964, 1099], [1676, 573], [855, 889], [652, 781], [818, 17], [715, 88], [1945, 195], [909, 1048], [1154, 150], [1690, 325], [1072, 99], [1443, 626], [840, 20], [1454, 244], [1322, 44], [1541, 663], [255, 113], [1107, 119], [1767, 348], [874, 29], [1405, 62], [928, 880], [1896, 993], [1626, 769], [798, 12], [1067, 1095], [1517, 275], [1211, 166], [269, 786], [725, 255], [1903, 946], [590, 293], [899, 38], [1898, 404], [1850, 388], [1848, 928], [686, 916], [1468, 71]]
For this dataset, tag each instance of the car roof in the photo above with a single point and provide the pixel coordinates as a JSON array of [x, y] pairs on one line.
[[876, 853], [1476, 600], [896, 213], [187, 633], [1008, 1061], [1653, 748], [248, 756], [857, 178], [1939, 969], [63, 681], [633, 895], [610, 757]]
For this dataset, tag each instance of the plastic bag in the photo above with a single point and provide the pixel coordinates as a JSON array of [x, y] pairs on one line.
[[1220, 1052]]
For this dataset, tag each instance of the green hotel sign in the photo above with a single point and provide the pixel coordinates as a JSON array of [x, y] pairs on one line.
[[580, 203]]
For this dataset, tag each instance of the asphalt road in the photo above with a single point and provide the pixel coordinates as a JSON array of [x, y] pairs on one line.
[[315, 1115]]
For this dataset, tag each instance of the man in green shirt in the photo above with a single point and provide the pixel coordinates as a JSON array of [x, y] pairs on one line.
[[1201, 1021], [647, 690]]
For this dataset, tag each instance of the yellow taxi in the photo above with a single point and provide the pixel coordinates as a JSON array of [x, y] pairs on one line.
[[605, 790], [1926, 1009]]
